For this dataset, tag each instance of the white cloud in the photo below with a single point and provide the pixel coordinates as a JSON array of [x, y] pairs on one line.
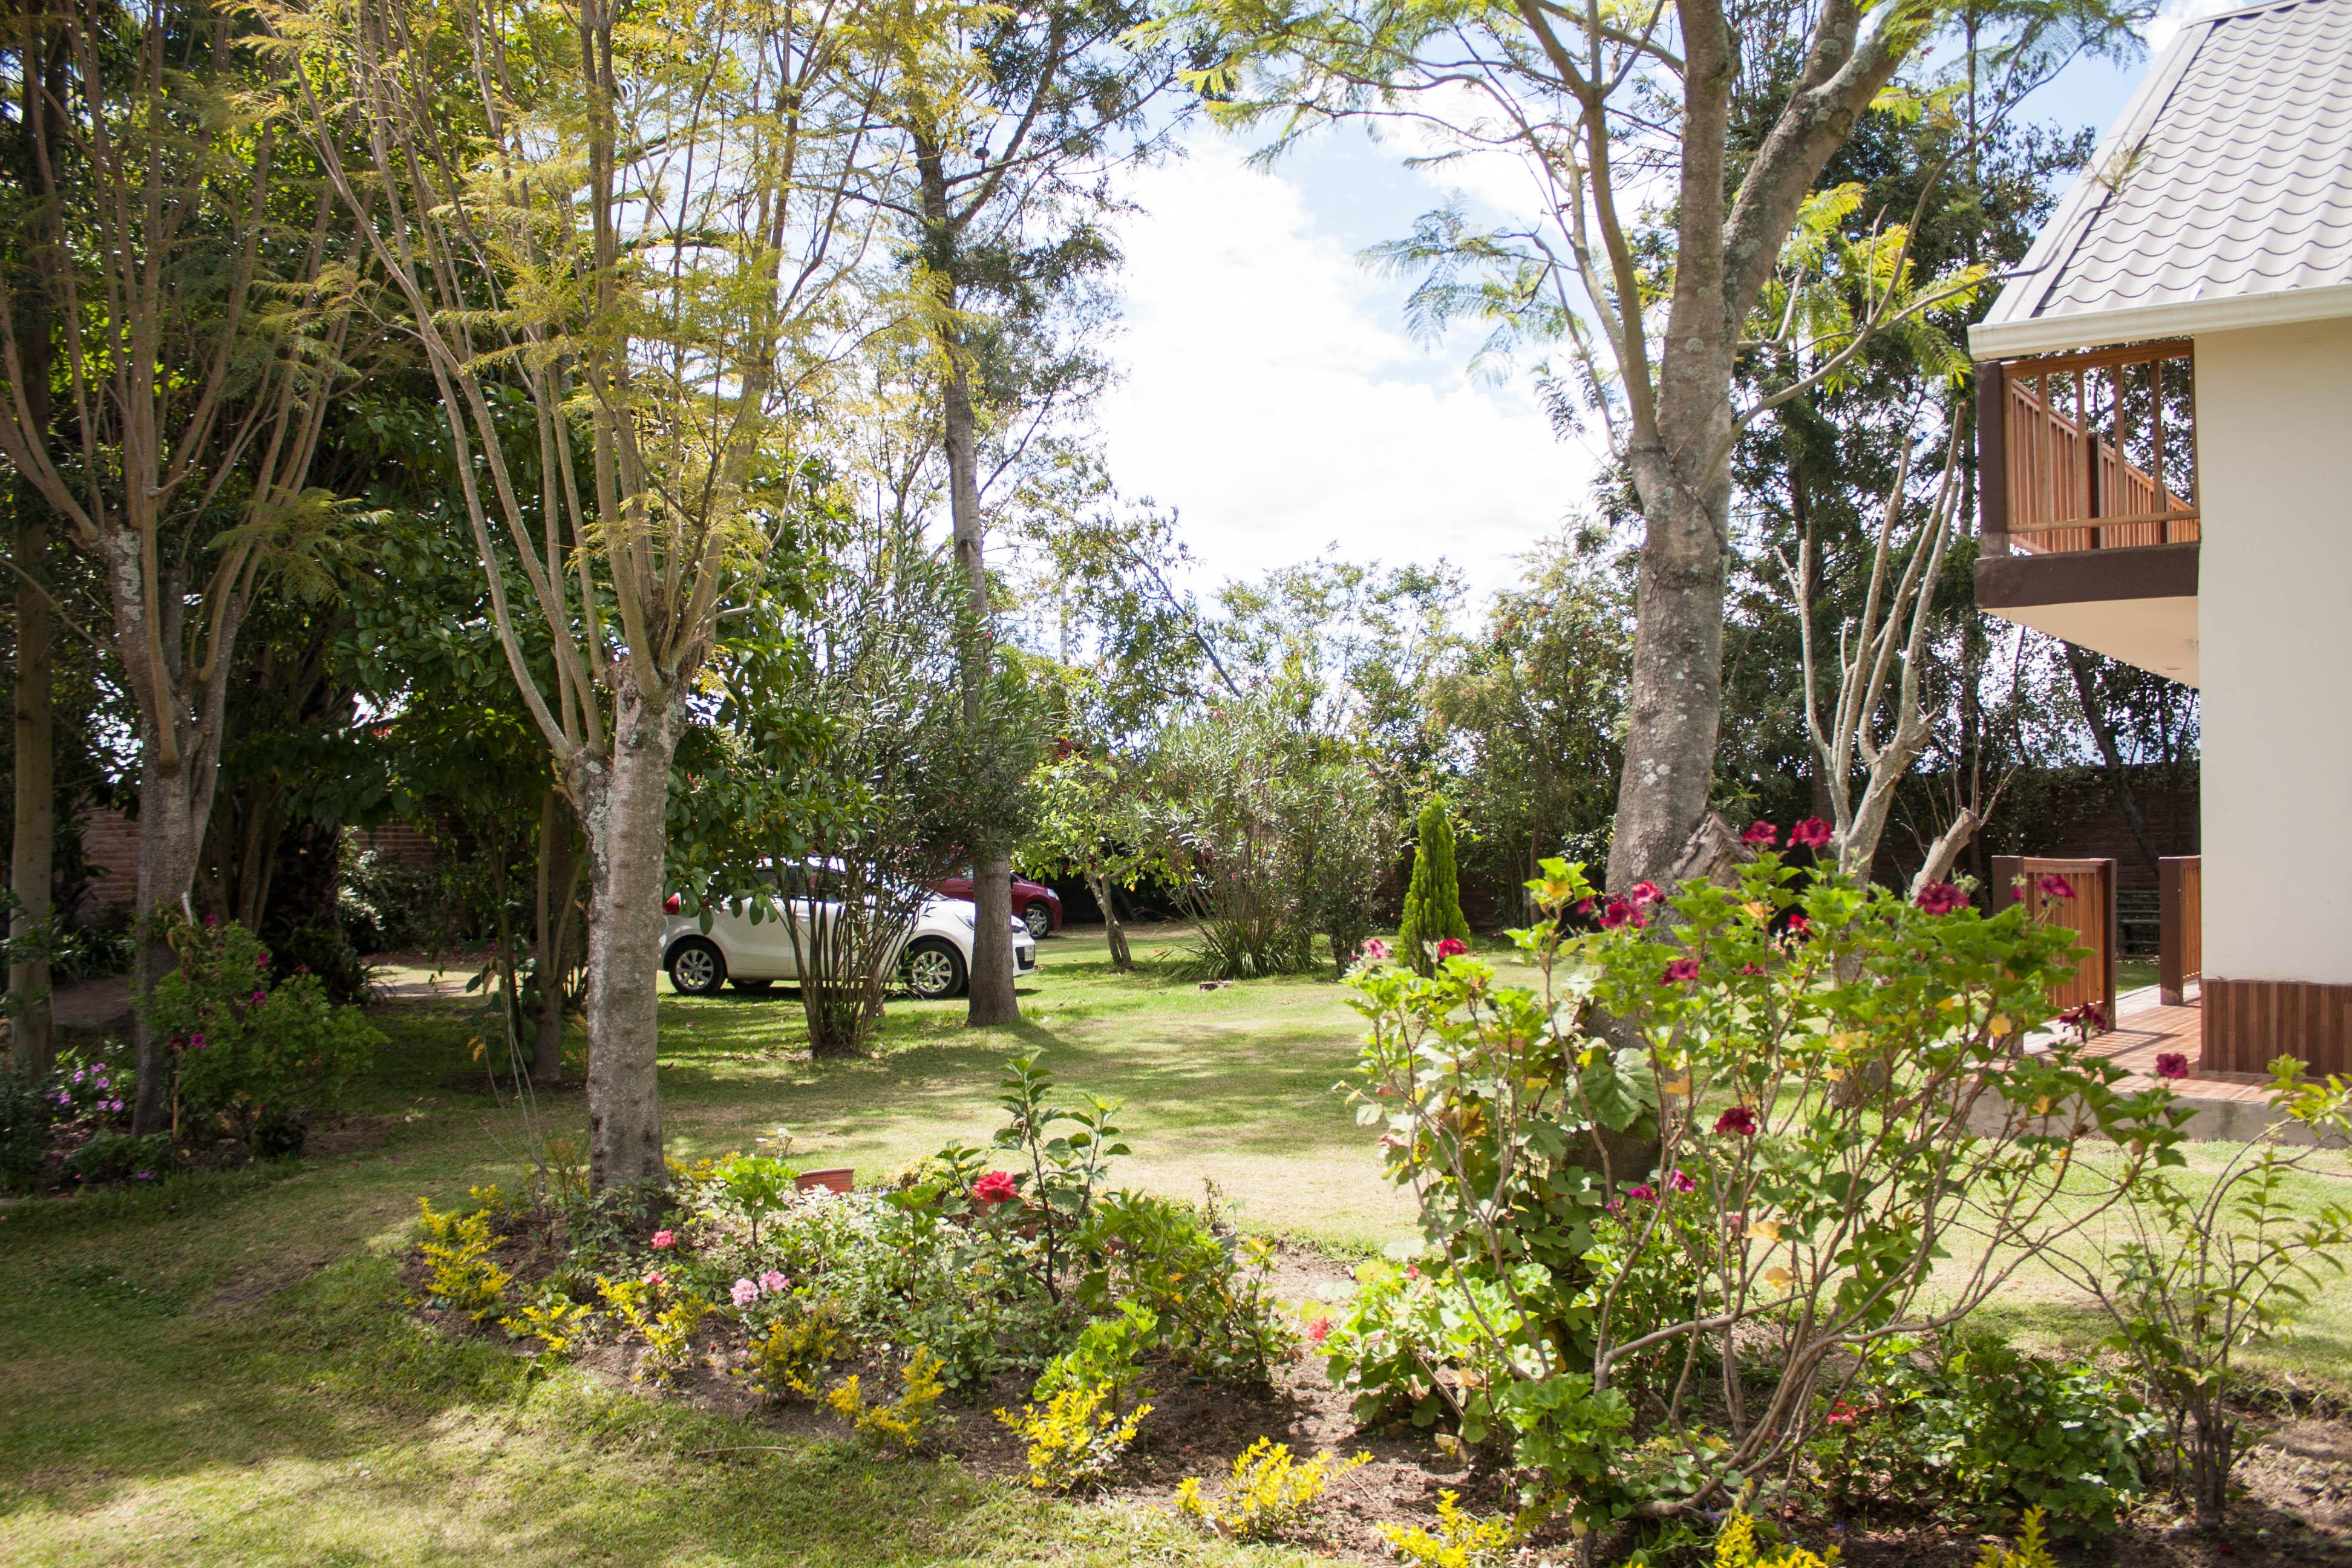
[[2165, 26], [1273, 396]]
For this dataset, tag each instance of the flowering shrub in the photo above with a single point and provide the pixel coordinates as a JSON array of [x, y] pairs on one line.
[[246, 1043], [1599, 1243], [1269, 1491]]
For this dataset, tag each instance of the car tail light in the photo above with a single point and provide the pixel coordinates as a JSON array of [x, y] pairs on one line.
[[673, 904]]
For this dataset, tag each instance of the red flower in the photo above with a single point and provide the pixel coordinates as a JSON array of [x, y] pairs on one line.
[[1318, 1331], [1618, 912], [2090, 1017], [1760, 832], [996, 1187], [1841, 1413], [1752, 969], [1680, 1182], [663, 1239], [1738, 1120], [2053, 887], [1813, 833], [1681, 971], [2172, 1066], [1451, 946], [1584, 906], [1645, 894], [1799, 925], [1941, 899]]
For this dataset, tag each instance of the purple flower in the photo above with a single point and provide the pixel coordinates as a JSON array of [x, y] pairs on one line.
[[144, 1176], [211, 921], [257, 997], [1680, 1182]]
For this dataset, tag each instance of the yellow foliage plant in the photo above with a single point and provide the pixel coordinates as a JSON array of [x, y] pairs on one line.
[[557, 1322], [790, 1359], [1269, 1492], [668, 1332], [457, 1250], [900, 1424], [1078, 1437], [1734, 1547], [2030, 1550], [1462, 1540]]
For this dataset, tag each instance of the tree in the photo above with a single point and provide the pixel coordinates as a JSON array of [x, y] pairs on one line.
[[193, 289], [1662, 222], [1014, 128], [1089, 818], [647, 224], [1432, 903]]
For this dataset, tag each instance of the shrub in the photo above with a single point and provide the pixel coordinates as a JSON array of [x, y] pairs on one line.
[[1584, 1219], [1208, 1288], [2029, 1552], [1462, 1540], [1432, 901], [901, 1424], [1734, 1547], [667, 1327], [557, 1322], [245, 1041], [1269, 1492], [119, 1157], [463, 1277], [1991, 1432], [28, 1110], [1078, 1437], [793, 1357]]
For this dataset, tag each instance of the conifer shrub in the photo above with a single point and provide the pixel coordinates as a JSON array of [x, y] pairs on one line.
[[1433, 902]]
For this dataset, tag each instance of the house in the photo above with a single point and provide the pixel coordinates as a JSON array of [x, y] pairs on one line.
[[2165, 428]]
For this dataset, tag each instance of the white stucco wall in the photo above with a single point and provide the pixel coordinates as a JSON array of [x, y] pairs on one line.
[[2274, 590]]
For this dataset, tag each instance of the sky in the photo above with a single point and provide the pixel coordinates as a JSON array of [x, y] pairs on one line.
[[1272, 396]]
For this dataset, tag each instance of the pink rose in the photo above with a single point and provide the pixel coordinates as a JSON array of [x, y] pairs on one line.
[[663, 1239]]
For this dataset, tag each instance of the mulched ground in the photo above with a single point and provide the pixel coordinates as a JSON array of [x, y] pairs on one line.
[[2297, 1507]]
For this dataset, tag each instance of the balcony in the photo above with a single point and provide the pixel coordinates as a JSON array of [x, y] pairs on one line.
[[2090, 519]]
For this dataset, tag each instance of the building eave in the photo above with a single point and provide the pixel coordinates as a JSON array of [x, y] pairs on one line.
[[2144, 323]]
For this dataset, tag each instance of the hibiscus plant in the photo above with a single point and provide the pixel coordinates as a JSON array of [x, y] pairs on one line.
[[1690, 1156]]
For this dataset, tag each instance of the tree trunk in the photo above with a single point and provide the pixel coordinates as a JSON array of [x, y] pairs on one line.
[[1120, 959], [559, 884], [169, 838], [31, 862], [1674, 710], [989, 984], [623, 803]]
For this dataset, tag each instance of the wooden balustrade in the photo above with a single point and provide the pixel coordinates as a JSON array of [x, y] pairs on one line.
[[2099, 450], [2182, 949], [2088, 909]]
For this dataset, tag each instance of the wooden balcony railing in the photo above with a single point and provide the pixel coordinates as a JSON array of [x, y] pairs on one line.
[[2093, 451]]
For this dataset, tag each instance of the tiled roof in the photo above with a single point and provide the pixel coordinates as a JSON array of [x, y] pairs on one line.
[[2230, 175]]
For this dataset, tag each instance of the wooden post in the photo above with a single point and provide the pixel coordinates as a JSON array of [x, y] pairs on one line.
[[2091, 913], [2181, 905], [1992, 459]]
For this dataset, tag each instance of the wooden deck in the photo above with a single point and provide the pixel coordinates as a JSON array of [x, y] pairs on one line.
[[2146, 1028]]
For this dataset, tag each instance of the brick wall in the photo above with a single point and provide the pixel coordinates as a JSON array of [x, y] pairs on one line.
[[398, 843], [109, 843]]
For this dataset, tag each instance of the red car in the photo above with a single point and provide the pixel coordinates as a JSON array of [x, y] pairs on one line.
[[1034, 905]]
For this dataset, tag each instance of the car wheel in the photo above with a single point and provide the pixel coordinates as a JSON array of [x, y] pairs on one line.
[[697, 967], [751, 985], [934, 970], [1039, 920]]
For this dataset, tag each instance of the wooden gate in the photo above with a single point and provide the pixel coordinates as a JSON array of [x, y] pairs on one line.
[[2087, 906], [2181, 961]]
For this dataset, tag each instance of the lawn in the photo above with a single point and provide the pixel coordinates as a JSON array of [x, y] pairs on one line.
[[220, 1370]]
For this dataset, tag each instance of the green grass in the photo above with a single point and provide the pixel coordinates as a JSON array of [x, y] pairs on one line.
[[220, 1370]]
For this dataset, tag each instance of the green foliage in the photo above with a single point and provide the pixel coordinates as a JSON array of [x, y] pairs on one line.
[[1103, 1358], [791, 1360], [1582, 1214], [1432, 903], [1207, 1287], [246, 1041], [112, 1156], [28, 1109], [1986, 1432], [1269, 1491], [758, 1185], [901, 1424], [1078, 1438], [461, 1274], [1462, 1540]]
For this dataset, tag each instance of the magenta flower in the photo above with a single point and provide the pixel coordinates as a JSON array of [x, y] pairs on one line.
[[773, 1282], [263, 960], [1680, 1182], [144, 1176], [1736, 1121], [2053, 887], [2172, 1066], [196, 1042], [257, 997], [1452, 946], [1799, 925], [744, 1292], [1681, 971], [1584, 906], [1645, 894], [1813, 833], [1645, 1192], [996, 1187], [1760, 832], [653, 1278], [1941, 899], [663, 1239], [1374, 948], [1618, 912], [1752, 969]]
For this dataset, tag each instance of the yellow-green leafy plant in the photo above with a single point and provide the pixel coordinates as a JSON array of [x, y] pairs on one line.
[[1270, 1491], [498, 1206], [1462, 1540], [900, 1425], [557, 1321], [457, 1250], [1734, 1547], [668, 1332], [1077, 1437], [790, 1359], [2030, 1550]]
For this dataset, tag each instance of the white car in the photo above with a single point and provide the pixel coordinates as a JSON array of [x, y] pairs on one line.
[[935, 962]]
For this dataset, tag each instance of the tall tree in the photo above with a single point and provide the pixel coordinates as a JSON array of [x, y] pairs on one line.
[[1658, 233], [189, 274], [1015, 132]]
